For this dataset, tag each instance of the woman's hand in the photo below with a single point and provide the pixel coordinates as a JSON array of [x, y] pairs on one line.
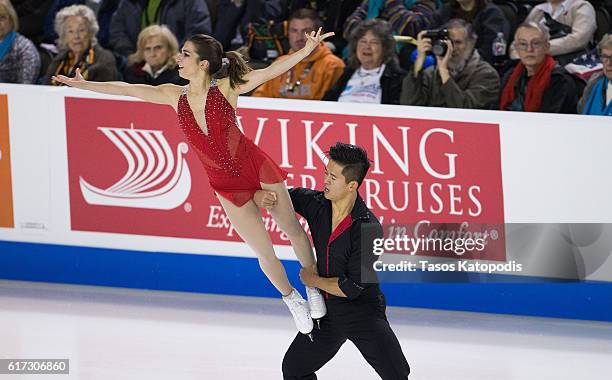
[[315, 39], [72, 82]]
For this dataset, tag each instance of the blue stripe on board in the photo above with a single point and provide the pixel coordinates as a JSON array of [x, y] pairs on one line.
[[242, 276]]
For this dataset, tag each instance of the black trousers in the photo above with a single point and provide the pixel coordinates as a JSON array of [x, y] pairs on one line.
[[363, 324]]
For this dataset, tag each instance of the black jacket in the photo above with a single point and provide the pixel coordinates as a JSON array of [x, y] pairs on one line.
[[390, 82], [560, 96], [345, 257]]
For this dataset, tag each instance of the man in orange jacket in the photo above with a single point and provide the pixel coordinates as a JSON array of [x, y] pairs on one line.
[[313, 76]]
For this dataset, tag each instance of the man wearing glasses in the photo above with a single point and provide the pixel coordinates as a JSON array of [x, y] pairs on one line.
[[537, 83]]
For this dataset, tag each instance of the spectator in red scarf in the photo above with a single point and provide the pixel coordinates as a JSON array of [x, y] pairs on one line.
[[537, 83]]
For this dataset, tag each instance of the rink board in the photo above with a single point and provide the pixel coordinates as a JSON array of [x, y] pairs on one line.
[[62, 223]]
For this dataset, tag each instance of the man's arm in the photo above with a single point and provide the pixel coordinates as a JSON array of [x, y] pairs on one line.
[[329, 284], [415, 90], [358, 271]]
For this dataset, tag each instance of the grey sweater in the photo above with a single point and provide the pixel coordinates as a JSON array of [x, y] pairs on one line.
[[21, 64]]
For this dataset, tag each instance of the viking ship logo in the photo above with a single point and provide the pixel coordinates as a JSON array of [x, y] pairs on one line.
[[153, 178]]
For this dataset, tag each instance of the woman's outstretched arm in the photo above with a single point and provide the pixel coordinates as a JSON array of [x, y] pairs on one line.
[[280, 66], [163, 94]]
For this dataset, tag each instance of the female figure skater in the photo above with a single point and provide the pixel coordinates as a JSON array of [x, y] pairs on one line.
[[236, 167]]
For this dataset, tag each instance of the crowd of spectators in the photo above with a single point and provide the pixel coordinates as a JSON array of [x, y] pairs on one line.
[[439, 53]]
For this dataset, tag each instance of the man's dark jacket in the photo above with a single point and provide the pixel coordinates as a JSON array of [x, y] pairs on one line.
[[346, 257]]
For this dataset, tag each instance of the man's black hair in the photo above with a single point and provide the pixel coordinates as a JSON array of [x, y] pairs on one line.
[[353, 158]]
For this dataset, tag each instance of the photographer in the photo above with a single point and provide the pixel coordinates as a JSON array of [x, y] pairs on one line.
[[461, 79]]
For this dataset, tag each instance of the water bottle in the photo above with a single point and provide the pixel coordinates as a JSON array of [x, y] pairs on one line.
[[499, 46]]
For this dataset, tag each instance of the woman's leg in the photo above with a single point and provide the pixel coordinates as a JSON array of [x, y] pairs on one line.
[[249, 225], [284, 215]]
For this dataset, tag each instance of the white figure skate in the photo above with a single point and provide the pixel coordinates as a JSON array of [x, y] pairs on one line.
[[316, 304], [301, 315]]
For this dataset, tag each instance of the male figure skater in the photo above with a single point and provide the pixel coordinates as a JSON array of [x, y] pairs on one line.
[[338, 218]]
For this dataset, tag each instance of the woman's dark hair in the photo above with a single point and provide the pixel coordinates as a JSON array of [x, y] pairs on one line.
[[353, 158], [381, 30], [208, 48]]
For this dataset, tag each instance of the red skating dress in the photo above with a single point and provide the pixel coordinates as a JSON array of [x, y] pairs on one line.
[[234, 164]]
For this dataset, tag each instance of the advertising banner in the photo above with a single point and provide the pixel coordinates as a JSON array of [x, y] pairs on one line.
[[132, 171], [6, 183]]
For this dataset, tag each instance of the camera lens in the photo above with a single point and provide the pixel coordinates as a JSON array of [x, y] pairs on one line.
[[439, 48]]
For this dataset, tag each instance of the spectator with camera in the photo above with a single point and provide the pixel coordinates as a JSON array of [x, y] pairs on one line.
[[537, 83], [373, 74], [461, 79], [571, 25], [487, 20], [314, 75], [597, 97]]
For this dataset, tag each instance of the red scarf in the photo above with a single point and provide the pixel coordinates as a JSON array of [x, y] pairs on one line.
[[536, 86]]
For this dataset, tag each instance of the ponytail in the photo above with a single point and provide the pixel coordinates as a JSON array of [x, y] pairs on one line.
[[237, 69]]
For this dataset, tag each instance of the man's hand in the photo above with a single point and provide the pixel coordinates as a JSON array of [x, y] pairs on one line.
[[309, 276], [265, 199], [423, 46]]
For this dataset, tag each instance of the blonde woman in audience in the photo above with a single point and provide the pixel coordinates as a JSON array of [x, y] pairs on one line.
[[154, 63]]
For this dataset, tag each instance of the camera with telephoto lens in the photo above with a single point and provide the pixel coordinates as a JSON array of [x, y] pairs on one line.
[[437, 36]]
